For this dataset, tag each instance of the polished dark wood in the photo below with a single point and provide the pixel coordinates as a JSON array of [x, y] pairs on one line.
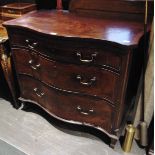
[[78, 109], [18, 8], [76, 68], [15, 10], [97, 54], [9, 11], [55, 74], [119, 9], [7, 82], [120, 32], [4, 91]]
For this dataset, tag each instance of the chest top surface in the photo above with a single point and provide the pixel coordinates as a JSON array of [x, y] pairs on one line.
[[66, 24]]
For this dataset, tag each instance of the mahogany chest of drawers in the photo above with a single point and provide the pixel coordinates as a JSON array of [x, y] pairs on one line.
[[75, 68]]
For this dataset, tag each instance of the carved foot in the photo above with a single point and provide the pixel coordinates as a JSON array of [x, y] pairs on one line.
[[16, 104], [113, 143]]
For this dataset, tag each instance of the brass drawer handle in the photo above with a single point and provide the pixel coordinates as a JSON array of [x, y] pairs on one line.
[[85, 112], [11, 11], [31, 44], [92, 80], [38, 93], [87, 60], [33, 66]]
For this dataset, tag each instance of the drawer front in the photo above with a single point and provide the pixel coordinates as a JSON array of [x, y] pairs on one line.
[[80, 79], [79, 52], [18, 8], [11, 10], [22, 60], [69, 107], [28, 89]]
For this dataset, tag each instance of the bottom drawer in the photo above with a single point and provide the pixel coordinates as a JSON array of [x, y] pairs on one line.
[[70, 107]]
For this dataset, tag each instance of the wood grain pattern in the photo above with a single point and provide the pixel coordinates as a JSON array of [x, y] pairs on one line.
[[78, 52], [122, 32], [65, 76], [17, 8], [56, 63], [94, 112]]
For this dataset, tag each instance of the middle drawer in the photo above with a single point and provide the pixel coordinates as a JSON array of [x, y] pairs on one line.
[[68, 77]]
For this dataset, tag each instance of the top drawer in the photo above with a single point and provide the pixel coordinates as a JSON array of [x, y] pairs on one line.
[[71, 51]]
